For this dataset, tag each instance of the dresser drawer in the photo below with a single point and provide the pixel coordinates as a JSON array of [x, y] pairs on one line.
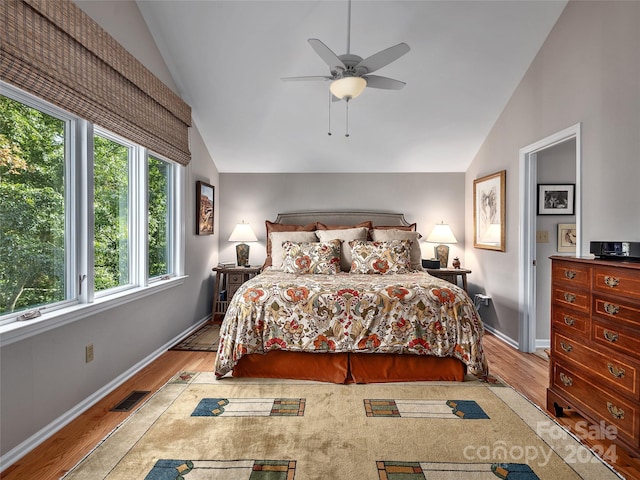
[[567, 296], [618, 281], [615, 411], [616, 311], [619, 374], [569, 273], [570, 320], [616, 337]]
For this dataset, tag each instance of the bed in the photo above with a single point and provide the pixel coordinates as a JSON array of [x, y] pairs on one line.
[[342, 298]]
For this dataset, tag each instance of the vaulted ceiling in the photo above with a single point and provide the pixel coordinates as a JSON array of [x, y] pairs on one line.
[[466, 59]]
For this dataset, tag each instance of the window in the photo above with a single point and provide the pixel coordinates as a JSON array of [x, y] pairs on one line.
[[77, 216], [159, 218]]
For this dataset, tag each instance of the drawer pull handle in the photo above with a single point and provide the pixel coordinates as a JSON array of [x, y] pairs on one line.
[[566, 379], [569, 297], [611, 308], [570, 274], [569, 320], [615, 371], [615, 412], [610, 336], [611, 281], [566, 347]]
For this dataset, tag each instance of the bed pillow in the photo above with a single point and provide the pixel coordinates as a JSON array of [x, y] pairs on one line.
[[368, 224], [282, 227], [278, 239], [407, 228], [381, 257], [345, 235], [311, 257], [395, 234]]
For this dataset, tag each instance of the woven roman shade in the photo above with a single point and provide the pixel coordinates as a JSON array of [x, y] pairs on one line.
[[55, 51]]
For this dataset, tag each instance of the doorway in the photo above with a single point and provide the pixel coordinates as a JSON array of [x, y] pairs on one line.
[[528, 227]]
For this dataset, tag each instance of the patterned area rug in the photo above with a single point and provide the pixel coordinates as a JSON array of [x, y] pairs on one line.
[[197, 427], [205, 339]]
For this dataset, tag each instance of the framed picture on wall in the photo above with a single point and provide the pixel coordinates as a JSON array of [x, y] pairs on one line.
[[489, 211], [204, 208], [566, 237], [556, 199]]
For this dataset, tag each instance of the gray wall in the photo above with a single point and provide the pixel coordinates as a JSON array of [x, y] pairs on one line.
[[587, 71], [424, 198], [50, 367]]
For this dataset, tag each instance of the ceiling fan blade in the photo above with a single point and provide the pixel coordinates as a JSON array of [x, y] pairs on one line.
[[304, 79], [375, 81], [382, 58], [327, 55]]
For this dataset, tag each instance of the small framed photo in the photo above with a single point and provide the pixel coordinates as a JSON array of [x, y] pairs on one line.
[[566, 237], [556, 199], [204, 208]]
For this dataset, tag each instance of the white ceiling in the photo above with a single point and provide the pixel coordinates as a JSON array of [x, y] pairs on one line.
[[466, 59]]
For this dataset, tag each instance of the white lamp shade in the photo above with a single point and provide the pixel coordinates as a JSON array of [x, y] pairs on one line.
[[441, 233], [349, 87], [243, 233]]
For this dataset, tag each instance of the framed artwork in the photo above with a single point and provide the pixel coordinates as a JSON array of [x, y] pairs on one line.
[[204, 208], [489, 211], [556, 199], [566, 237]]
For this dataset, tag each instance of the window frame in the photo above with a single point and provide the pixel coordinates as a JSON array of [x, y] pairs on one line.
[[81, 299]]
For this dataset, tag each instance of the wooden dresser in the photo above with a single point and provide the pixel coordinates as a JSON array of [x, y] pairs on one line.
[[595, 343]]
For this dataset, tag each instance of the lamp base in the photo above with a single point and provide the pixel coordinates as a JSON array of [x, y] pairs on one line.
[[442, 253], [242, 255]]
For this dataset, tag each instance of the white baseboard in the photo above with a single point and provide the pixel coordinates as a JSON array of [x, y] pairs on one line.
[[20, 450], [503, 337], [543, 343]]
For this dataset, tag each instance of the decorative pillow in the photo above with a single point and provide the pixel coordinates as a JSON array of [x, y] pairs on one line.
[[278, 238], [395, 234], [311, 257], [345, 235], [381, 257], [282, 227]]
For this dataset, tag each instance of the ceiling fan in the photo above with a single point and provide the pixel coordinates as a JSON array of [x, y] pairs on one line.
[[349, 73]]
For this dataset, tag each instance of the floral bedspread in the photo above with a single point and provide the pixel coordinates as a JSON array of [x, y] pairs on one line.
[[413, 313]]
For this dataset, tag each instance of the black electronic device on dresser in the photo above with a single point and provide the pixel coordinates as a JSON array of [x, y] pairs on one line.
[[616, 250]]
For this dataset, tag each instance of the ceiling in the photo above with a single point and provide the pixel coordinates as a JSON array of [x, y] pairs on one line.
[[466, 59]]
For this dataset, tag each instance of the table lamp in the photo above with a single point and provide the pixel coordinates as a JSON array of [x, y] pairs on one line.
[[242, 233], [442, 234]]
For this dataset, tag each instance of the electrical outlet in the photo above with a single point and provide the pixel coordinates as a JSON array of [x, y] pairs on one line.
[[542, 236], [88, 353]]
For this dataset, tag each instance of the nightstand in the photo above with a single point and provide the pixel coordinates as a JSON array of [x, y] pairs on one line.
[[451, 275], [227, 282]]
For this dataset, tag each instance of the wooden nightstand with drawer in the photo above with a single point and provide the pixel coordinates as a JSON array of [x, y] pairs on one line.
[[228, 281], [595, 344]]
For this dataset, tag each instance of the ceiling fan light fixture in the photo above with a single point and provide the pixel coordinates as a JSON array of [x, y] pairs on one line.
[[348, 87]]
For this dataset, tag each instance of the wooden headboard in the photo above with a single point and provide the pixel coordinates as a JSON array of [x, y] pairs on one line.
[[352, 217]]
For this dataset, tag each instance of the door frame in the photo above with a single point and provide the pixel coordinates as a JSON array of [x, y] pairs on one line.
[[527, 215]]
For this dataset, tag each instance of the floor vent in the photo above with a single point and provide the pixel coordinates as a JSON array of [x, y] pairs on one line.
[[128, 403]]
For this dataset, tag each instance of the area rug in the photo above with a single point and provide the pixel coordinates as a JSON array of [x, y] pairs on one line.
[[197, 427], [205, 339]]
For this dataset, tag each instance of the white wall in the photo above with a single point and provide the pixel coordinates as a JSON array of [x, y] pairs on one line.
[[424, 198], [587, 71], [45, 376]]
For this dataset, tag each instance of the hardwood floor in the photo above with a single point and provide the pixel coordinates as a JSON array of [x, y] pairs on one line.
[[527, 373]]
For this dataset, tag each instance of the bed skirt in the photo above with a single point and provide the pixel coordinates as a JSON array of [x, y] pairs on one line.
[[350, 367]]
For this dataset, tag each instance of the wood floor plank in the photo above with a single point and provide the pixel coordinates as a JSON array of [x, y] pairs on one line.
[[525, 372]]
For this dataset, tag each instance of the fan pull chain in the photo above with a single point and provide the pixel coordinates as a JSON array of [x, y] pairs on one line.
[[347, 127], [329, 133]]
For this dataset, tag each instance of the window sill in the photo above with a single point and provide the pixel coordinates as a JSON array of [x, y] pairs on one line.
[[21, 330]]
